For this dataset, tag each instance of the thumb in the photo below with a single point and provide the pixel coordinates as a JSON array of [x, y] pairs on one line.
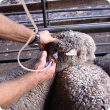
[[42, 62], [43, 56]]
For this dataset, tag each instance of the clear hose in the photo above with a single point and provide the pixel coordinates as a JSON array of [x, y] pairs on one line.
[[18, 56]]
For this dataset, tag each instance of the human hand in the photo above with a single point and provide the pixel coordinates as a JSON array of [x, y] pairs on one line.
[[47, 74], [45, 38]]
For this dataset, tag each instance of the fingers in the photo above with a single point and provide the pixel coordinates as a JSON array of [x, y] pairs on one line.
[[45, 38], [42, 46], [47, 74], [53, 39], [52, 68]]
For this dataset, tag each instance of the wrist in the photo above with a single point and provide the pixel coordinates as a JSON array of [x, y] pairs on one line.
[[36, 41], [33, 38], [40, 33]]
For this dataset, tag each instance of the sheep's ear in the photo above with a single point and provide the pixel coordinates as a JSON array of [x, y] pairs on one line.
[[108, 1], [72, 52]]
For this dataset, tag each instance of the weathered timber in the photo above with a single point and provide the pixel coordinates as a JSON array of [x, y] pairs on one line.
[[19, 7], [52, 5], [74, 3]]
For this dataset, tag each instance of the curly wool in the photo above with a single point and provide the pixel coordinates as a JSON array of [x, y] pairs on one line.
[[67, 40], [104, 63], [39, 98], [87, 89]]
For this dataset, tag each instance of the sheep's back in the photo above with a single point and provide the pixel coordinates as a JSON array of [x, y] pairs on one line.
[[87, 88]]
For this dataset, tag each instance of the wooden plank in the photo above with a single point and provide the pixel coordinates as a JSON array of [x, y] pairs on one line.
[[19, 7], [74, 3], [52, 5]]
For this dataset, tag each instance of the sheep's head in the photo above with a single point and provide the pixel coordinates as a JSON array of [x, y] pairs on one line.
[[74, 48]]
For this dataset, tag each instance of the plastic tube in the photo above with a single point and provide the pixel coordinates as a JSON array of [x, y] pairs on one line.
[[18, 56]]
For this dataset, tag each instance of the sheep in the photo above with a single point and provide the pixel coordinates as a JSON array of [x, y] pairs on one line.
[[104, 62], [74, 48], [84, 89]]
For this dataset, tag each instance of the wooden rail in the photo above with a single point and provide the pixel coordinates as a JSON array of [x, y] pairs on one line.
[[52, 5], [19, 7], [74, 3]]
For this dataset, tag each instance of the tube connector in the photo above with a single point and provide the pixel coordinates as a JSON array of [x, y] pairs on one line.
[[52, 60]]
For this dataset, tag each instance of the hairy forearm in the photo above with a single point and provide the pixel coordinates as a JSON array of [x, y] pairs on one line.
[[13, 31], [12, 90]]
